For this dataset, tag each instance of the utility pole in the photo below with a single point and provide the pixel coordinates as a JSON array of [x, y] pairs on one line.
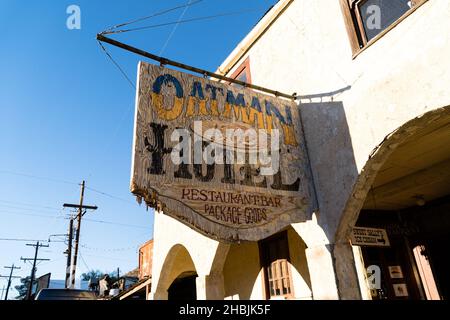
[[9, 279], [69, 236], [3, 290], [69, 253], [33, 270], [81, 213]]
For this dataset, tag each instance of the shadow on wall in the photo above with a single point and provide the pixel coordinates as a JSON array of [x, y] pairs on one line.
[[335, 173], [332, 159], [241, 270], [298, 261]]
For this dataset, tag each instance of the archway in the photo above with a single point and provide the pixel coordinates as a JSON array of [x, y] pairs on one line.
[[183, 287], [404, 189], [177, 280]]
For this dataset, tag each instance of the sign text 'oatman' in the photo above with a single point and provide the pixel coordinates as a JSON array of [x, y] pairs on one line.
[[227, 161]]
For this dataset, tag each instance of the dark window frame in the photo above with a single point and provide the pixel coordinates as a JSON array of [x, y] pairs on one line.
[[244, 67], [265, 264], [355, 27]]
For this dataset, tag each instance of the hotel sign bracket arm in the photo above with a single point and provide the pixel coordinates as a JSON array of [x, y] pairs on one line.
[[165, 61]]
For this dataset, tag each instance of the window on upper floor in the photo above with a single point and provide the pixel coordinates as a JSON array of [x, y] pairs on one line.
[[368, 20], [242, 73]]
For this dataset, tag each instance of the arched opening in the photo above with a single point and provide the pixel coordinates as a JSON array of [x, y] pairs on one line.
[[405, 191], [178, 276], [240, 272], [183, 288], [273, 268]]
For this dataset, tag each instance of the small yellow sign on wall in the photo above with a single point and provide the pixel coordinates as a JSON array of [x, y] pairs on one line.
[[370, 237]]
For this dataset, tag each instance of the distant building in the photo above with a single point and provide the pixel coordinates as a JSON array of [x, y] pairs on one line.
[[145, 259], [136, 284]]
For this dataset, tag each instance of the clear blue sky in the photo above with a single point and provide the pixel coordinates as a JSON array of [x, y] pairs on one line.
[[67, 115]]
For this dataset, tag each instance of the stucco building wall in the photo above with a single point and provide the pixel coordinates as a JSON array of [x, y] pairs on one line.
[[242, 272], [349, 105], [399, 77]]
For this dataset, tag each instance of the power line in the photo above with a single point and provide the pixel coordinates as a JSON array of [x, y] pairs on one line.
[[84, 262], [182, 21], [116, 223], [174, 29], [154, 15], [126, 111], [81, 211], [111, 249], [107, 258], [31, 215], [29, 205], [165, 61], [38, 177], [28, 209], [117, 65], [12, 268], [21, 240], [109, 195], [57, 181], [52, 261], [86, 219], [33, 269]]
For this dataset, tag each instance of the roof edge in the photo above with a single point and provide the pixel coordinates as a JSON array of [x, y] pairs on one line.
[[250, 39]]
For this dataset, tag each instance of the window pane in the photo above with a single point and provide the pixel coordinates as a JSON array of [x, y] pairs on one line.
[[274, 270], [377, 15], [272, 289], [241, 77], [284, 268], [277, 288]]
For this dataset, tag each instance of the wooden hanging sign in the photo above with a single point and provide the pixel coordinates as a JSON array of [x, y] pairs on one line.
[[227, 161]]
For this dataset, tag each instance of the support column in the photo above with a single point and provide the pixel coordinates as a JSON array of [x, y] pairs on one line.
[[331, 266], [147, 292], [210, 287], [346, 275], [361, 273], [158, 295], [321, 272]]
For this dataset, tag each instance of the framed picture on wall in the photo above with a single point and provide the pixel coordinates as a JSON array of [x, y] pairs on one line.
[[395, 272], [400, 290]]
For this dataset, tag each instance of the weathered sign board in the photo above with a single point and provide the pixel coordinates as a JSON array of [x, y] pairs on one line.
[[370, 237], [181, 118]]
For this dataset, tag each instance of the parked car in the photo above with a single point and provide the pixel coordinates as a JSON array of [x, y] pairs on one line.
[[65, 294]]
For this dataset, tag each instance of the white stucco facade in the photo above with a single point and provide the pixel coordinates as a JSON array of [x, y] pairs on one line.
[[350, 107]]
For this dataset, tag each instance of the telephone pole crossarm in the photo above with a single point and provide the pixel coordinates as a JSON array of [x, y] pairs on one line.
[[33, 269], [72, 264], [77, 206], [12, 268]]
